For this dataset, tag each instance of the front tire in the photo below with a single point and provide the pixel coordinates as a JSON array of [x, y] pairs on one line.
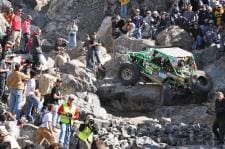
[[129, 74], [201, 82]]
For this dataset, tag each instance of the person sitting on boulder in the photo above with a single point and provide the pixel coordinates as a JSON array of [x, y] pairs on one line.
[[61, 58], [61, 42]]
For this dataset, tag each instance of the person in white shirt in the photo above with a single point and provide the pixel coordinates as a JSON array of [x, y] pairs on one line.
[[32, 97], [72, 37], [45, 130]]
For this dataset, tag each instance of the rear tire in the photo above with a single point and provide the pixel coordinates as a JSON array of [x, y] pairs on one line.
[[129, 74], [201, 82]]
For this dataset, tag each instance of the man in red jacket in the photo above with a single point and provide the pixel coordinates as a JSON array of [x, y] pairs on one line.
[[16, 29]]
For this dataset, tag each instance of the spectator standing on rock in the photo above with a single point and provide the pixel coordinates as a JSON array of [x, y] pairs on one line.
[[86, 132], [55, 96], [26, 31], [36, 49], [45, 130], [219, 123], [32, 97], [92, 56], [15, 83], [16, 29], [72, 37], [123, 9], [68, 113], [137, 19], [46, 83]]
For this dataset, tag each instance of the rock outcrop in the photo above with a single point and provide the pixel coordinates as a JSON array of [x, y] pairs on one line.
[[174, 36], [155, 133], [136, 98], [216, 71], [76, 78], [123, 44]]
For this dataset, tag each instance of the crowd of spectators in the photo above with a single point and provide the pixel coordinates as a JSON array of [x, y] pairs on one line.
[[203, 19]]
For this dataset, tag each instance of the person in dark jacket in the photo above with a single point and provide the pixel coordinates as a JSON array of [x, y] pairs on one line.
[[36, 47], [219, 123], [198, 37], [92, 56]]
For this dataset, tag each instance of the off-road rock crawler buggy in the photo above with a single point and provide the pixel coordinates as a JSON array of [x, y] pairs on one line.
[[173, 68]]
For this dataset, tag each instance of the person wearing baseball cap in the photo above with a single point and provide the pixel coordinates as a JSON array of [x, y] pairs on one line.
[[67, 112]]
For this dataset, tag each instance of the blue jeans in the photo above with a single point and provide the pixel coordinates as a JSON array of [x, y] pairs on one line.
[[32, 101], [55, 116], [197, 43], [15, 103], [137, 33], [64, 136], [72, 38], [123, 11]]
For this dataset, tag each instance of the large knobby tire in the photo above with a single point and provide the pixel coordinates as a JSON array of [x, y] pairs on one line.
[[166, 95], [201, 82], [129, 74]]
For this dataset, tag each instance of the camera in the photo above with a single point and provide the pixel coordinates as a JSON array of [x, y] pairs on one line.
[[70, 115]]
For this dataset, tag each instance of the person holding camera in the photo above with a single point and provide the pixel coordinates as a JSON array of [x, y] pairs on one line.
[[85, 133], [68, 113]]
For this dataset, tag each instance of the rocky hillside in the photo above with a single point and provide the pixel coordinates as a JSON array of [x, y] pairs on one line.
[[185, 125]]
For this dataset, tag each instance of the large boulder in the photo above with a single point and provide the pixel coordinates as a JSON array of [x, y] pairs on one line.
[[28, 134], [37, 4], [187, 114], [174, 36], [104, 33], [136, 98], [76, 78], [216, 70], [73, 84], [79, 53], [207, 56], [123, 44]]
